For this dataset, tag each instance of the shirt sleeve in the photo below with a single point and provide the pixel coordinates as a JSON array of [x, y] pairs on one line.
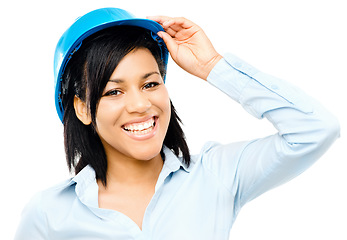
[[305, 131], [33, 224]]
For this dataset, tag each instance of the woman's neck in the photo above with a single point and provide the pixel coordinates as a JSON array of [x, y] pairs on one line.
[[129, 171]]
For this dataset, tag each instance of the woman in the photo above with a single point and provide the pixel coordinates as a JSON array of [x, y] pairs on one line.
[[135, 178]]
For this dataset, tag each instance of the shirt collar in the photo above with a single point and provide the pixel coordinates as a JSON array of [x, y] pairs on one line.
[[86, 186], [87, 189], [173, 162], [171, 165]]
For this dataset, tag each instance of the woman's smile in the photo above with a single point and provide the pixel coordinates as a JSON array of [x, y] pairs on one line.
[[141, 130]]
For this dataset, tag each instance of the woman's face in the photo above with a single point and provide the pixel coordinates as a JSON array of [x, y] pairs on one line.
[[134, 111]]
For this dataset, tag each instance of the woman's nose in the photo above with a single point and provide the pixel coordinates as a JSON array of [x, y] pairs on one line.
[[137, 102]]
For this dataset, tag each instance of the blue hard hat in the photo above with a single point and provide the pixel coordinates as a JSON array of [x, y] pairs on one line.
[[87, 25]]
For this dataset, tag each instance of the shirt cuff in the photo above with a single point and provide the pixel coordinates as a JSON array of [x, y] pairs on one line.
[[231, 75]]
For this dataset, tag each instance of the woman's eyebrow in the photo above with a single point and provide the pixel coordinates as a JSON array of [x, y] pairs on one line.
[[116, 80], [149, 74]]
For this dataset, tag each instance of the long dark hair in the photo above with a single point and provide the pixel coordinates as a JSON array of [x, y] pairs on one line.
[[86, 76]]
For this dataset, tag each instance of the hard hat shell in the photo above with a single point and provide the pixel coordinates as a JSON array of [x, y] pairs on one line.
[[87, 25]]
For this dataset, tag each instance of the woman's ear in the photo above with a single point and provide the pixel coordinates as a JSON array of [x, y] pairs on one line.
[[81, 111]]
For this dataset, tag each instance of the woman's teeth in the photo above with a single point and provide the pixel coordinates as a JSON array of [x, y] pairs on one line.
[[143, 127]]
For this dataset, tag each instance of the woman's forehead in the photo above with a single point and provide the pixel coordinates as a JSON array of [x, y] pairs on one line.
[[139, 63]]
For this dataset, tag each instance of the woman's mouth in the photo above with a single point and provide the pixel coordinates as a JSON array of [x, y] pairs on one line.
[[140, 128]]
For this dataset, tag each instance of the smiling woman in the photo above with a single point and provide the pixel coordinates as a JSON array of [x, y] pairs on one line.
[[126, 89], [134, 175]]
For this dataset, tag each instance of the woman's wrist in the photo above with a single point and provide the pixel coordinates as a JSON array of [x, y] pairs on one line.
[[207, 68]]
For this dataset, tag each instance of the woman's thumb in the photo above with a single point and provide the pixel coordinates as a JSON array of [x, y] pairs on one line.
[[170, 43]]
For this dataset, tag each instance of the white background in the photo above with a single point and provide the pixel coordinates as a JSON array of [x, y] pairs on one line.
[[302, 41]]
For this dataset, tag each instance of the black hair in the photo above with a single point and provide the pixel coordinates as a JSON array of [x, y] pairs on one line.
[[86, 76]]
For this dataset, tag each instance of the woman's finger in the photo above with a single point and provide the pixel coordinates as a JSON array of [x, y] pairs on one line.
[[166, 23], [178, 22], [171, 32], [159, 19], [175, 28], [170, 43]]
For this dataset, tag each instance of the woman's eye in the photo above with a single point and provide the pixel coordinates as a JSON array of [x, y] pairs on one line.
[[151, 85], [113, 92]]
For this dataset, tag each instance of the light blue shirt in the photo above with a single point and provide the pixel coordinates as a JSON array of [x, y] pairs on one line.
[[202, 201]]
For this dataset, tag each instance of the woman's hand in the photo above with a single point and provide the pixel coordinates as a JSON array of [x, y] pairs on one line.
[[188, 45]]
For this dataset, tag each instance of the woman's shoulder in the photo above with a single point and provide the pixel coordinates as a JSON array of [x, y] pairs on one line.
[[62, 188], [54, 194], [51, 203], [213, 149], [216, 155], [67, 188]]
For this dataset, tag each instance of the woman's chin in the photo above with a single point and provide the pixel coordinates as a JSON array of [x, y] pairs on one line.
[[144, 154]]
